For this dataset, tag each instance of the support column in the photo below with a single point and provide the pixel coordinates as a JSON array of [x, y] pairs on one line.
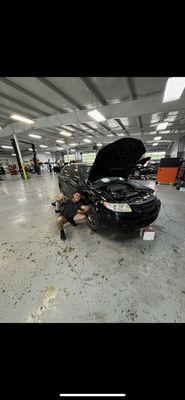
[[174, 149], [15, 144], [67, 148]]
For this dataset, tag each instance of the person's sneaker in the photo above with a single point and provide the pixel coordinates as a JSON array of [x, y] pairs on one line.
[[72, 222], [62, 235]]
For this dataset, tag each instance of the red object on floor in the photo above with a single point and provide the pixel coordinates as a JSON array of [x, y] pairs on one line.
[[167, 174]]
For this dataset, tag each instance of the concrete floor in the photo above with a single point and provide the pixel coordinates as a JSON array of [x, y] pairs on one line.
[[101, 277]]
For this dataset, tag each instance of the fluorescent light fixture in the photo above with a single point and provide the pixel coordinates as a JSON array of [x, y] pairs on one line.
[[13, 154], [22, 119], [32, 149], [110, 134], [155, 144], [72, 150], [155, 118], [35, 136], [152, 132], [157, 138], [87, 140], [73, 144], [120, 134], [167, 131], [172, 116], [0, 127], [174, 89], [96, 115], [6, 147], [66, 134], [47, 152], [125, 121], [42, 145], [99, 145], [161, 126], [59, 141]]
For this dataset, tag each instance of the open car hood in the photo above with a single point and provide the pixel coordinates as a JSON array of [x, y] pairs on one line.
[[143, 160], [117, 159]]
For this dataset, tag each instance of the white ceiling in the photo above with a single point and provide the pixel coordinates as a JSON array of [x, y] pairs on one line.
[[40, 98]]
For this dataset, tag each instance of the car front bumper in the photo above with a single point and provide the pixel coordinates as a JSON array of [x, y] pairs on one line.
[[141, 215]]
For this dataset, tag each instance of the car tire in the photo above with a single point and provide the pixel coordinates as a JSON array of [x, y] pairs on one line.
[[136, 174], [92, 219], [60, 187]]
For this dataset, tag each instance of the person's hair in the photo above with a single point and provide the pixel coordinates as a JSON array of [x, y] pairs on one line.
[[78, 192]]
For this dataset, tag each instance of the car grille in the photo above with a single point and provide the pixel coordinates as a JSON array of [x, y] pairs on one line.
[[146, 208]]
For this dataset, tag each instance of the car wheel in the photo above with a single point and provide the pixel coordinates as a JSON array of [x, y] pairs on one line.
[[92, 219], [136, 174], [60, 187]]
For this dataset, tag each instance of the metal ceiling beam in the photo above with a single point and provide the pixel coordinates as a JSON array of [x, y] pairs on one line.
[[30, 94], [12, 109], [98, 95], [20, 103], [120, 123], [132, 108], [66, 97], [61, 93], [94, 90], [132, 90]]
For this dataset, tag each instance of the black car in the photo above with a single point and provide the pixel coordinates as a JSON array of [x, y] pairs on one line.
[[143, 169], [114, 199]]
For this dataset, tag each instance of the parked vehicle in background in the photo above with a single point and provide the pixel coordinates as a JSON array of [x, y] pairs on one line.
[[114, 198]]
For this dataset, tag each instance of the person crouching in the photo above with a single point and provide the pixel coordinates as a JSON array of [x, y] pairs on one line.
[[70, 208]]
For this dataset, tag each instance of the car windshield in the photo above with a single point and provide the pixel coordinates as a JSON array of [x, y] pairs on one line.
[[84, 169]]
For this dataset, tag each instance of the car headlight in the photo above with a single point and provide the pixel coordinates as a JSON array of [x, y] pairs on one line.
[[120, 207]]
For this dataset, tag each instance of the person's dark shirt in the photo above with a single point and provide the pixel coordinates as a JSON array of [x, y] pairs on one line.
[[71, 208]]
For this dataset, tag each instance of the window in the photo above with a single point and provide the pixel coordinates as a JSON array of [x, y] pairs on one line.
[[88, 158], [155, 155], [71, 157]]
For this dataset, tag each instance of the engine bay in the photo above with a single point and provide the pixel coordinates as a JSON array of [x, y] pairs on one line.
[[124, 192]]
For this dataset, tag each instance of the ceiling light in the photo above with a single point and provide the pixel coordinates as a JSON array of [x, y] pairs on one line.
[[110, 134], [99, 145], [42, 145], [6, 147], [73, 144], [87, 140], [60, 148], [35, 136], [155, 118], [152, 132], [72, 150], [161, 126], [22, 119], [167, 131], [59, 141], [66, 134], [13, 154], [0, 127], [157, 138], [120, 134], [174, 89], [155, 144], [125, 121], [96, 115], [47, 152], [172, 116]]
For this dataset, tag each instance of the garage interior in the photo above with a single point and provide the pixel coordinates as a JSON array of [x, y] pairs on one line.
[[107, 276]]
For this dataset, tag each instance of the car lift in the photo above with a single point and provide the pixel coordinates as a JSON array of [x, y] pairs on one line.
[[21, 164]]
